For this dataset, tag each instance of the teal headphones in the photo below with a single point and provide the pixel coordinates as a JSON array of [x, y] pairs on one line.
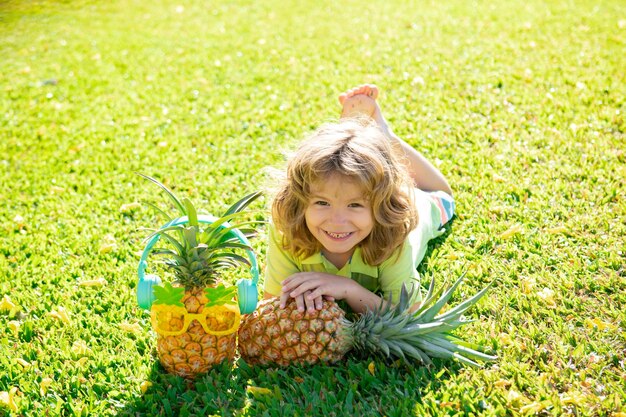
[[247, 289]]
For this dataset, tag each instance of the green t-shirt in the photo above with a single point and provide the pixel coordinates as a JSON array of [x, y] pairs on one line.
[[385, 279]]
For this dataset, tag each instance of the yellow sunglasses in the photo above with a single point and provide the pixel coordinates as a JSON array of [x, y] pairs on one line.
[[169, 320]]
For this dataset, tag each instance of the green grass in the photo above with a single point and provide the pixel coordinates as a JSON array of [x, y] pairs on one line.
[[521, 103]]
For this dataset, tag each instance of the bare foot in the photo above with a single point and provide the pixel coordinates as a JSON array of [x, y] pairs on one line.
[[361, 101], [366, 89]]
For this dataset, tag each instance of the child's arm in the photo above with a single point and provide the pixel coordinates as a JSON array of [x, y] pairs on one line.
[[425, 175], [309, 288]]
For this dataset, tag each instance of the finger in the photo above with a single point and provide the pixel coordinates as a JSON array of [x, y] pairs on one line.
[[317, 293], [329, 298], [284, 297], [302, 288], [316, 297], [300, 303], [287, 284], [292, 282], [309, 302]]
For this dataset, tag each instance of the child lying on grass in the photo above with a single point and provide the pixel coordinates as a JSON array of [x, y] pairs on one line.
[[353, 216]]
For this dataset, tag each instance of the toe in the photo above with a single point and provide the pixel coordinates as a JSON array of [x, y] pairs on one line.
[[371, 90]]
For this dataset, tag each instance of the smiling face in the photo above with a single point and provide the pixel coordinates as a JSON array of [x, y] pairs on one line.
[[339, 216]]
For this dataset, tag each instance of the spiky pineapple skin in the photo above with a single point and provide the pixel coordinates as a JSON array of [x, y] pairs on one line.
[[195, 352], [272, 335]]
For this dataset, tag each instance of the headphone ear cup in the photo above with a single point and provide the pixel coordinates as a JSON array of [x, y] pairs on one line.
[[145, 293], [248, 295]]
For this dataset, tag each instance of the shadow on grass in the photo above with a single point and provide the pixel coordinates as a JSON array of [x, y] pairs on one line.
[[352, 387], [434, 244]]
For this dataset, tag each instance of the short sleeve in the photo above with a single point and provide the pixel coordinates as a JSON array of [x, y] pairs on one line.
[[400, 269], [279, 264]]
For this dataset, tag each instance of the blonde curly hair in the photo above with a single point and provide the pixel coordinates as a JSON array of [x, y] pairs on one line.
[[360, 152]]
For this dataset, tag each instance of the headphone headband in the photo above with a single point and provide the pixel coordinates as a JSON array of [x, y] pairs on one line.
[[247, 288]]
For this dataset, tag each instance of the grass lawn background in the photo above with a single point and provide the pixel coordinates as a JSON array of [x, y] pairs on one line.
[[520, 104]]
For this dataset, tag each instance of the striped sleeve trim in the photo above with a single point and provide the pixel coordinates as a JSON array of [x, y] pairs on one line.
[[445, 203]]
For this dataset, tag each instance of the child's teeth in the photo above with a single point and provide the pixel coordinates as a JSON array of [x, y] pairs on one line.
[[338, 235]]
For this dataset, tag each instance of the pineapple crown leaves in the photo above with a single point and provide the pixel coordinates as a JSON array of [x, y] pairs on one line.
[[210, 234], [186, 208], [179, 205], [168, 295], [198, 249], [396, 332], [219, 295], [188, 255], [430, 307]]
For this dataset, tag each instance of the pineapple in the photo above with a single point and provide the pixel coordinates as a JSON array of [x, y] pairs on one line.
[[196, 318], [286, 336]]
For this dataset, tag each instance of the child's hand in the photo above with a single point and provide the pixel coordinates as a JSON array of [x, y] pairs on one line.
[[309, 289]]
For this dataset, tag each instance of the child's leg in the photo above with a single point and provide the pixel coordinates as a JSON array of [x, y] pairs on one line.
[[361, 101], [445, 204]]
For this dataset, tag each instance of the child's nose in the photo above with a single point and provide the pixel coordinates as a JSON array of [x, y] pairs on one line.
[[338, 216]]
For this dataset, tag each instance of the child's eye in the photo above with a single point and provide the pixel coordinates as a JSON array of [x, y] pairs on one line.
[[356, 205], [321, 203]]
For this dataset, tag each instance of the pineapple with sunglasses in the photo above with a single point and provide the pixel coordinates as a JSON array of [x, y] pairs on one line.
[[196, 318]]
